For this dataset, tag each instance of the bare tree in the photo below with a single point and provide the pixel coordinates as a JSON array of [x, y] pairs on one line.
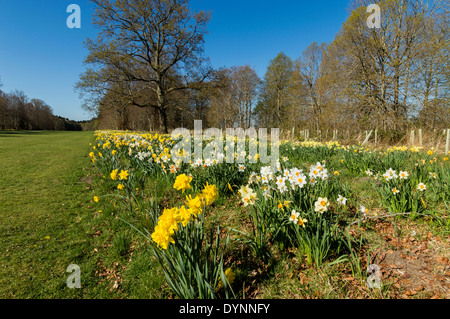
[[309, 67], [147, 46], [274, 98], [382, 64], [246, 84], [223, 112]]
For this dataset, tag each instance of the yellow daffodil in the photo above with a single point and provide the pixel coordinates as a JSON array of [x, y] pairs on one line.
[[195, 204], [229, 274], [123, 175], [210, 194], [182, 182], [114, 174]]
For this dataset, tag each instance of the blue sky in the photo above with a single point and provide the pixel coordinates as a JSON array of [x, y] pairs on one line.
[[41, 56]]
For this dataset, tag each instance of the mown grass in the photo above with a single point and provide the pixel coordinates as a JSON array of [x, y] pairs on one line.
[[43, 201], [49, 221]]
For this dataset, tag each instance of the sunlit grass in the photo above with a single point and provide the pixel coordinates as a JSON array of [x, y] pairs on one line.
[[41, 199]]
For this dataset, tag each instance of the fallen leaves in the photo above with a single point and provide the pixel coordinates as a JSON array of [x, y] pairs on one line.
[[348, 278], [304, 280], [109, 274], [442, 260], [98, 233], [410, 293]]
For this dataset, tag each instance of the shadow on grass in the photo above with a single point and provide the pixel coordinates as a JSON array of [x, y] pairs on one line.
[[6, 133]]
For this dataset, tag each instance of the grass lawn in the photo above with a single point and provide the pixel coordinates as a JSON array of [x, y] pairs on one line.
[[50, 221], [42, 201]]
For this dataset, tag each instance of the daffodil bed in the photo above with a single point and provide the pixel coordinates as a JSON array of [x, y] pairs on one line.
[[307, 203]]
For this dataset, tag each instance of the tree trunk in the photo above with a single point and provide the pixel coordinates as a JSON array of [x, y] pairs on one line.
[[163, 116]]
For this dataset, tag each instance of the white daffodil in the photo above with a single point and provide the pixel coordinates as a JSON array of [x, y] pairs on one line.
[[295, 172], [321, 205], [282, 188], [300, 180], [421, 187], [253, 178], [266, 170], [264, 179], [342, 200], [294, 216], [313, 172], [280, 181], [363, 210], [323, 174], [248, 196], [392, 174], [207, 162], [403, 175]]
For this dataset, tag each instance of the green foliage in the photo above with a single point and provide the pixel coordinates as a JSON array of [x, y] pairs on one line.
[[193, 266]]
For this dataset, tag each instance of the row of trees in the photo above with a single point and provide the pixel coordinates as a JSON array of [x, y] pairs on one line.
[[147, 70], [388, 78], [18, 112]]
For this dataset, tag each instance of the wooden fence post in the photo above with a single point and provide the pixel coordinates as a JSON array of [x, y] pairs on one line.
[[376, 137], [412, 138], [420, 137], [447, 144], [367, 138]]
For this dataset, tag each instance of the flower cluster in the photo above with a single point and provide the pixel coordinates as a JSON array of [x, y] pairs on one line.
[[296, 219], [209, 194], [321, 205], [169, 222], [182, 182], [123, 175], [391, 174], [248, 196], [293, 178]]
